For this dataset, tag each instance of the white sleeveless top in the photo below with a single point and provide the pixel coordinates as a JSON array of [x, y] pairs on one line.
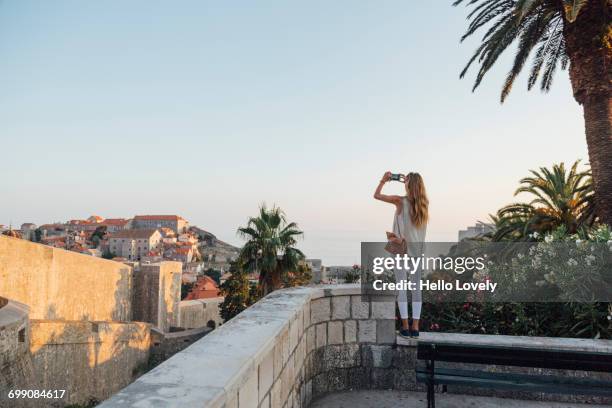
[[403, 227]]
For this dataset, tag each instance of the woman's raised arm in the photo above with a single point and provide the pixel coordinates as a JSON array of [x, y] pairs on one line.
[[391, 199]]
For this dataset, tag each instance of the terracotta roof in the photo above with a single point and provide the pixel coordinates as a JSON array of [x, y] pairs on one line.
[[205, 287], [115, 221], [158, 217], [133, 233]]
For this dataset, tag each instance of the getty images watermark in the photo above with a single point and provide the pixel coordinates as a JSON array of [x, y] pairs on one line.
[[492, 271], [411, 265]]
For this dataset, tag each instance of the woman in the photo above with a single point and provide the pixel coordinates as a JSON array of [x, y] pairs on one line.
[[410, 223]]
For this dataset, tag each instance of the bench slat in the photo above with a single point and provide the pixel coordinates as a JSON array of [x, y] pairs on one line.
[[514, 384], [522, 357]]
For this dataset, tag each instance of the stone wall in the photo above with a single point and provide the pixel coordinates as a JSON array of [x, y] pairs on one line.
[[58, 284], [199, 312], [165, 345], [16, 370], [90, 360], [301, 343], [267, 355], [157, 293]]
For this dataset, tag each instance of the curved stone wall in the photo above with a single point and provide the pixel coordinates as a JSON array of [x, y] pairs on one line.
[[14, 331], [16, 369], [285, 349]]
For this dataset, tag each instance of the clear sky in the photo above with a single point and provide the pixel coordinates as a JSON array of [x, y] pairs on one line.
[[207, 109]]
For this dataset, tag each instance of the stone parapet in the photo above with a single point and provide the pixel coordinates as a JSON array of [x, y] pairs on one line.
[[274, 354]]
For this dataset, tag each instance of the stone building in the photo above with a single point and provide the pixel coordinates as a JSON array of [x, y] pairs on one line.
[[28, 231], [116, 224], [475, 231], [177, 223], [134, 244]]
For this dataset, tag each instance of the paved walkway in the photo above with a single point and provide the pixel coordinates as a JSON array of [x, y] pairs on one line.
[[404, 399]]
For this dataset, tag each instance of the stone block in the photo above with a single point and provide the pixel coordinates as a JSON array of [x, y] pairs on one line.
[[319, 384], [366, 331], [275, 394], [248, 394], [404, 357], [350, 331], [340, 307], [374, 355], [288, 379], [321, 336], [306, 316], [265, 403], [278, 360], [382, 378], [294, 335], [307, 393], [300, 354], [310, 339], [341, 356], [284, 343], [383, 310], [320, 310], [359, 309], [266, 374], [335, 332], [385, 332]]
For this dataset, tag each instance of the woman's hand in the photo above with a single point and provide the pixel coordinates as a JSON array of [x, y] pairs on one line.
[[378, 195]]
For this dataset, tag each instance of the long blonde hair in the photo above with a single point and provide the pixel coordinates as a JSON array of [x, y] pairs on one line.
[[417, 196]]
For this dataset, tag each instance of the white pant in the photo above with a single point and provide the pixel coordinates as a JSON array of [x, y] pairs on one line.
[[402, 296]]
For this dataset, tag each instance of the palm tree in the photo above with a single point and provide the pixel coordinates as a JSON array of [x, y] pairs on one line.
[[270, 247], [577, 33], [561, 198]]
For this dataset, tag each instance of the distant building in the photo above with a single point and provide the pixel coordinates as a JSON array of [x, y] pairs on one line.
[[479, 229], [204, 288], [318, 270], [115, 224], [27, 231], [49, 230], [81, 225], [174, 222], [134, 244]]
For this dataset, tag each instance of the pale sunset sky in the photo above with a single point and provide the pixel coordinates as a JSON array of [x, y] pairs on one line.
[[207, 109]]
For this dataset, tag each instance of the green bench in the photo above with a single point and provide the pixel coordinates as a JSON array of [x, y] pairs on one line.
[[428, 353]]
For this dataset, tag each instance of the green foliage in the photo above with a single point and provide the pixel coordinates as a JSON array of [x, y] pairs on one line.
[[548, 265], [300, 277], [186, 288], [238, 292], [560, 198], [98, 235], [533, 25], [353, 275], [107, 254], [577, 320], [214, 274], [270, 247]]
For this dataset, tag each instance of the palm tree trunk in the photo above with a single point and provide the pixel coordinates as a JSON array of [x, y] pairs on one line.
[[598, 124], [588, 42]]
